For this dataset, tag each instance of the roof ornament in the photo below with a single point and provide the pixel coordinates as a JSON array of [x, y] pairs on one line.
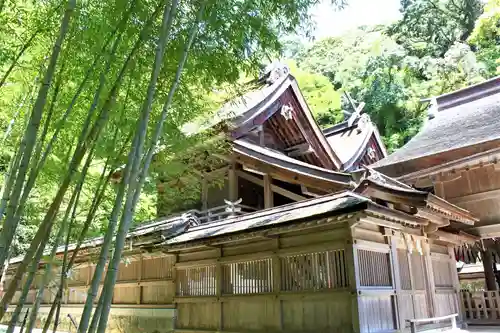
[[286, 112], [275, 71], [370, 152], [433, 108], [190, 219], [233, 207], [363, 121]]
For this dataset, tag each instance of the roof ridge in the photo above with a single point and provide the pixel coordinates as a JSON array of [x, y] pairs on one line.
[[468, 94]]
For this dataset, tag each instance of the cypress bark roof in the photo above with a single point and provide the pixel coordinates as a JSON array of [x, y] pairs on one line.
[[465, 118]]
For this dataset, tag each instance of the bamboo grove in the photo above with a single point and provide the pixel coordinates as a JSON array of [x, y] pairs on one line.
[[90, 87]]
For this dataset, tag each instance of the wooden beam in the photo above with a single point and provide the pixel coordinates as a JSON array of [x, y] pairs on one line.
[[493, 194], [268, 192], [299, 150], [487, 231], [274, 188]]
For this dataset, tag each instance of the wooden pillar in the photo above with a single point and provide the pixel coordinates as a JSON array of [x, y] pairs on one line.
[[489, 274], [174, 282], [262, 139], [276, 275], [396, 280], [456, 284], [233, 183], [218, 290], [431, 287], [204, 193], [268, 192], [139, 278], [351, 257]]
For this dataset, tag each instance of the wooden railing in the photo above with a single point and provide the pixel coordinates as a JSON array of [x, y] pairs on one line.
[[219, 213], [415, 322], [481, 306]]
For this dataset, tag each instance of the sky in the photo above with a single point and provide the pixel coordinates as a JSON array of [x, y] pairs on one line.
[[331, 22]]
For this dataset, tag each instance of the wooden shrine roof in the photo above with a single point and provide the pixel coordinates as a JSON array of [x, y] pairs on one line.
[[350, 138], [279, 164], [330, 205], [183, 231], [463, 123], [377, 185]]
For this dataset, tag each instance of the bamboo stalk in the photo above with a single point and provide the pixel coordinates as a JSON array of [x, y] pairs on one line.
[[92, 292], [25, 45], [136, 185], [36, 170], [26, 288], [29, 139]]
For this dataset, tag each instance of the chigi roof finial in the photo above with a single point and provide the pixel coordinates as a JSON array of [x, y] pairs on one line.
[[433, 108]]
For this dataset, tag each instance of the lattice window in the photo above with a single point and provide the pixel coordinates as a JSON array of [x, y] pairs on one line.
[[196, 281], [319, 270], [418, 270], [442, 273], [374, 269], [404, 269], [248, 277]]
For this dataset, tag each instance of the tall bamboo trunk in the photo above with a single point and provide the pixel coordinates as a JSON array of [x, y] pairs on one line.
[[133, 161], [9, 226], [25, 45], [18, 56], [41, 161], [64, 224], [26, 288], [135, 187], [48, 220], [117, 205]]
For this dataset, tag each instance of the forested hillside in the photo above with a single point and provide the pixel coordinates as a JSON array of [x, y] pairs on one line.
[[438, 46], [92, 90]]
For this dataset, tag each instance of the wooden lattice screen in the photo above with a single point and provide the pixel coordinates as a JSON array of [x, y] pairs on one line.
[[374, 269], [196, 281], [313, 271], [418, 270], [442, 273], [249, 277], [404, 269]]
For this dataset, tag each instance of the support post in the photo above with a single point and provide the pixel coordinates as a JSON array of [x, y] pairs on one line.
[[233, 183], [430, 285], [262, 138], [351, 257], [268, 192], [139, 278], [276, 285], [489, 274], [218, 289], [396, 281]]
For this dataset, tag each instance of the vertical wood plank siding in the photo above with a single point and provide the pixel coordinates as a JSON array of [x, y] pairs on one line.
[[404, 269], [374, 268], [314, 271], [247, 277], [196, 281]]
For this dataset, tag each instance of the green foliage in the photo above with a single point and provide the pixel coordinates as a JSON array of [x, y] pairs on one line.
[[486, 37], [387, 77], [320, 95], [431, 27], [233, 39]]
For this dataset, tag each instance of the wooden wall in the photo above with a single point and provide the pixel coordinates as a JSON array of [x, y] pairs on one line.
[[476, 189], [300, 282], [334, 278], [401, 277], [143, 296]]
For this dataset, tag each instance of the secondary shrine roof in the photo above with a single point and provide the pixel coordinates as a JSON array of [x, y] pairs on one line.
[[469, 117]]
